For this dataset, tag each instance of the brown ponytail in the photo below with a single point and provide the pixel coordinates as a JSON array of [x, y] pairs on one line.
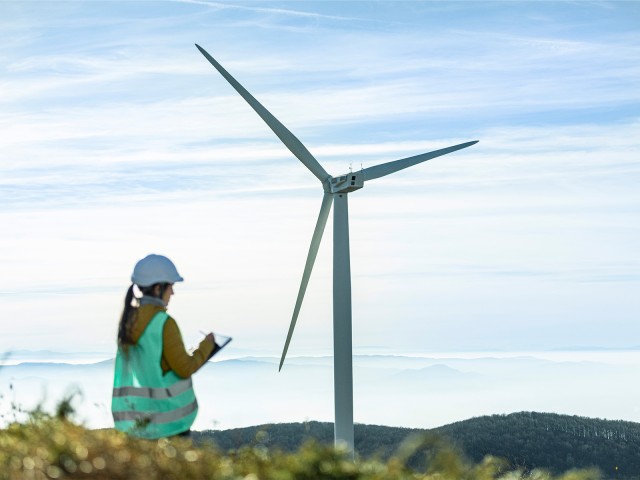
[[126, 320]]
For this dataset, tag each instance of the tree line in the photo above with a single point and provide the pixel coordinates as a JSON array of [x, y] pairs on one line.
[[526, 440]]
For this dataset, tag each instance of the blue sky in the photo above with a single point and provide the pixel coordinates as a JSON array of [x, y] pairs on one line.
[[118, 139]]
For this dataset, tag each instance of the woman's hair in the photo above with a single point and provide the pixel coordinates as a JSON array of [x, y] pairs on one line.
[[126, 320], [130, 310]]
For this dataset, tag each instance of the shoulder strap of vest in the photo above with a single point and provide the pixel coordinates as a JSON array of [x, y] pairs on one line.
[[156, 324]]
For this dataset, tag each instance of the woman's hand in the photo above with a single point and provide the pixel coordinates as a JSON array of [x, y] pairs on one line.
[[209, 337]]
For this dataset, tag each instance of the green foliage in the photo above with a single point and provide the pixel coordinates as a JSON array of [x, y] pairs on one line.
[[556, 442], [54, 447]]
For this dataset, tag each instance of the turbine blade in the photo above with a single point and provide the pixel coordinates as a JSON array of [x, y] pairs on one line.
[[289, 139], [383, 169], [327, 200]]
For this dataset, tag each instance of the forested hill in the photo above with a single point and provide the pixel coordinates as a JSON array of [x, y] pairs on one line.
[[526, 439], [556, 442]]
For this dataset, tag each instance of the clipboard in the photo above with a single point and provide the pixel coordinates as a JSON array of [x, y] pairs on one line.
[[221, 342]]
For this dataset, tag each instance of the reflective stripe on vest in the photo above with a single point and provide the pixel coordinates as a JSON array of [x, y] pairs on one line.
[[164, 417], [147, 403], [157, 393]]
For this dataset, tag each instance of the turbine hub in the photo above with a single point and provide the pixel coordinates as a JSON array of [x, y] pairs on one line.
[[344, 183]]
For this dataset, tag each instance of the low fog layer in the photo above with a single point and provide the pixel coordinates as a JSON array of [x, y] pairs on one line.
[[388, 390]]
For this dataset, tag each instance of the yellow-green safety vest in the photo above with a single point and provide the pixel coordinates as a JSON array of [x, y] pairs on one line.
[[147, 403]]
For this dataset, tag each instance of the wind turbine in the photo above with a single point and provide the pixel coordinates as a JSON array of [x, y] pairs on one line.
[[336, 190]]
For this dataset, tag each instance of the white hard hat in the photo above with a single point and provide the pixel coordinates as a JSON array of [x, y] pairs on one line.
[[154, 269]]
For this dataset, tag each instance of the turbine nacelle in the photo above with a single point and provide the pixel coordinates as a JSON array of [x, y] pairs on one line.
[[347, 183]]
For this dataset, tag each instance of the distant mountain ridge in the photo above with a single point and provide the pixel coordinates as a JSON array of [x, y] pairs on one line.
[[526, 439]]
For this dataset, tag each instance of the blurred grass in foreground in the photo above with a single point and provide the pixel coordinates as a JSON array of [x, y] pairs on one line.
[[54, 447]]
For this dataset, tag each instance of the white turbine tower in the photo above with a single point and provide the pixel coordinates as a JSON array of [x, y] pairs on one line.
[[335, 191]]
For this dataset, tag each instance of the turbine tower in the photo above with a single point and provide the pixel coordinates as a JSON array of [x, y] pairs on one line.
[[336, 190]]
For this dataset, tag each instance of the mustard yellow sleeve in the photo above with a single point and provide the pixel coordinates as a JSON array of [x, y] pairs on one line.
[[176, 356]]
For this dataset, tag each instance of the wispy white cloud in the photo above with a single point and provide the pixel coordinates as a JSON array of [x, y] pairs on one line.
[[263, 10]]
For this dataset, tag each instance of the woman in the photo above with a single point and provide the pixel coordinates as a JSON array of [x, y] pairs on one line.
[[152, 390]]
